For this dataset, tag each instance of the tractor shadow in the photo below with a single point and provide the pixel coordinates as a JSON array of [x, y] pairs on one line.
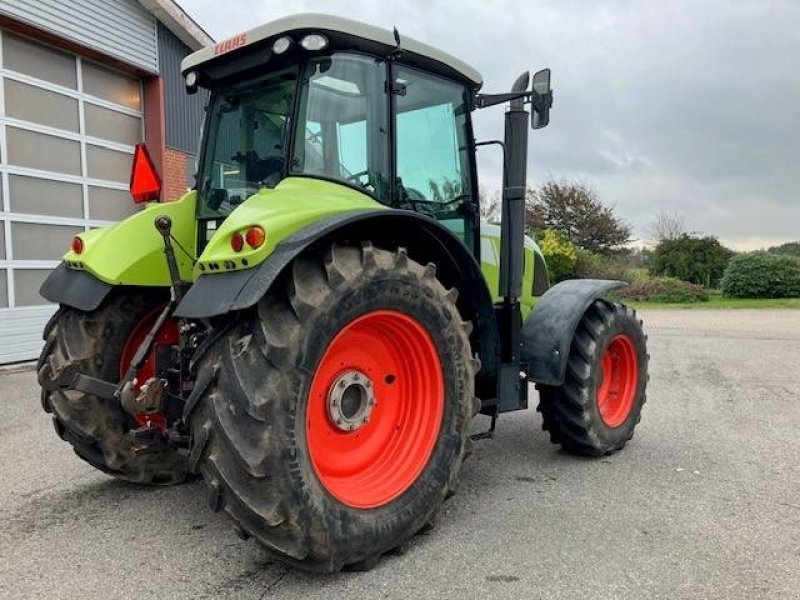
[[105, 501]]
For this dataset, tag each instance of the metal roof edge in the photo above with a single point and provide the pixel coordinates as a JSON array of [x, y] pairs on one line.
[[178, 21]]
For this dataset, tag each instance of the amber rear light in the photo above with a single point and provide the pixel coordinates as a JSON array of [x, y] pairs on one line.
[[255, 237], [145, 181], [77, 245], [237, 242]]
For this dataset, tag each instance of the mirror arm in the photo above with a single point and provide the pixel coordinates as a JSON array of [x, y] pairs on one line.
[[486, 100], [538, 101]]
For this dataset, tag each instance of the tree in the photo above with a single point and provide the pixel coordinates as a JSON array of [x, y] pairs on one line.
[[574, 210], [448, 189], [789, 248], [668, 226], [489, 206], [700, 260]]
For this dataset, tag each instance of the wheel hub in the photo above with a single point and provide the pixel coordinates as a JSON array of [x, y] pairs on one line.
[[351, 400]]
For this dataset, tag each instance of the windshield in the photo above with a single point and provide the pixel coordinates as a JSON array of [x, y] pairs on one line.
[[245, 149], [342, 128]]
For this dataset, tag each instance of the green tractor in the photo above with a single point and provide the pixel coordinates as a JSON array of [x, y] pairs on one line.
[[313, 327]]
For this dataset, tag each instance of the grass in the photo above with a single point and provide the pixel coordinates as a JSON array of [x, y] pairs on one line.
[[716, 301]]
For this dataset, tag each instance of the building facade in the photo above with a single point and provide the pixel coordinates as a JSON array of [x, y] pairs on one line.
[[81, 83]]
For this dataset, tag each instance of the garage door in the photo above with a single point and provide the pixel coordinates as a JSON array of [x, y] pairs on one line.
[[68, 127]]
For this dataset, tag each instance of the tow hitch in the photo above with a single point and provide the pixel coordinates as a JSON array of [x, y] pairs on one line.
[[152, 404]]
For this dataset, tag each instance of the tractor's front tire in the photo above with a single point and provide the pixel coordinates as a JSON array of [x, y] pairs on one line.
[[98, 429], [599, 405], [338, 415]]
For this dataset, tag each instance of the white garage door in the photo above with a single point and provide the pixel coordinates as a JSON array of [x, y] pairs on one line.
[[68, 127]]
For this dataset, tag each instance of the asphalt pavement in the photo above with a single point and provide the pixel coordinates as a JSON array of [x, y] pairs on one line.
[[704, 502]]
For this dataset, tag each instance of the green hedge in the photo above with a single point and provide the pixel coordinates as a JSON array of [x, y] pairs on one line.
[[662, 289], [594, 266], [761, 275]]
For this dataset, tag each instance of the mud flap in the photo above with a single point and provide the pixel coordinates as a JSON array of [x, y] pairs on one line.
[[77, 289]]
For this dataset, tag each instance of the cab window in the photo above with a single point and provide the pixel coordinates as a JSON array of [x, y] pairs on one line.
[[245, 148], [341, 132], [433, 166]]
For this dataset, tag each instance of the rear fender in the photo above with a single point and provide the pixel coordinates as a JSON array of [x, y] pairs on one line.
[[131, 252], [425, 240], [548, 331]]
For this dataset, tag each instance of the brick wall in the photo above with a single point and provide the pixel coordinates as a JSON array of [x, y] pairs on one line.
[[175, 179]]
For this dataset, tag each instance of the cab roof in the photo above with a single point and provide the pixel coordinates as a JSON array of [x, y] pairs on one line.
[[343, 34]]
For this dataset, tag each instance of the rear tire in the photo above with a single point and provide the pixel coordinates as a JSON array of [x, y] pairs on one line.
[[257, 431], [96, 428], [597, 409]]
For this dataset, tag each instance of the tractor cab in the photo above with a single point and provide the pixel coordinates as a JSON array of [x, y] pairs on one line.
[[338, 101]]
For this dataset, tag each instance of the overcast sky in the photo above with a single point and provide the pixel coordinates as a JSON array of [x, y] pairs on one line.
[[685, 106]]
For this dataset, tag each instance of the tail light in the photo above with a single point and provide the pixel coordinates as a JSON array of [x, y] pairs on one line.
[[255, 237], [77, 245], [145, 181], [237, 242]]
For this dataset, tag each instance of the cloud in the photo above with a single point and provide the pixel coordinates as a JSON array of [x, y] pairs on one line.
[[682, 106]]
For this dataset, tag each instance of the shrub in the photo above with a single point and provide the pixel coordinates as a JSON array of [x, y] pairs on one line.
[[590, 265], [700, 260], [762, 275], [662, 289], [559, 254]]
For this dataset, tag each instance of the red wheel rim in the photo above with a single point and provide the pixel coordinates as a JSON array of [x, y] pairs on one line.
[[620, 380], [168, 335], [388, 357]]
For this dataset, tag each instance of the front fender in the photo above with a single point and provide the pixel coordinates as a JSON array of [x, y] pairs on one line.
[[547, 333]]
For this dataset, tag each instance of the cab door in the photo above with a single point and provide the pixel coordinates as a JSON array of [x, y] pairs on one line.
[[433, 151]]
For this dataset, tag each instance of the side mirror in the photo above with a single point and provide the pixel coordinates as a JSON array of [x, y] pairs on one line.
[[541, 100], [541, 82]]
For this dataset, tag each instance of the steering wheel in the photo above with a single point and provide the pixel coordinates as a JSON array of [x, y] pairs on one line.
[[431, 208], [356, 176], [413, 195], [259, 169]]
